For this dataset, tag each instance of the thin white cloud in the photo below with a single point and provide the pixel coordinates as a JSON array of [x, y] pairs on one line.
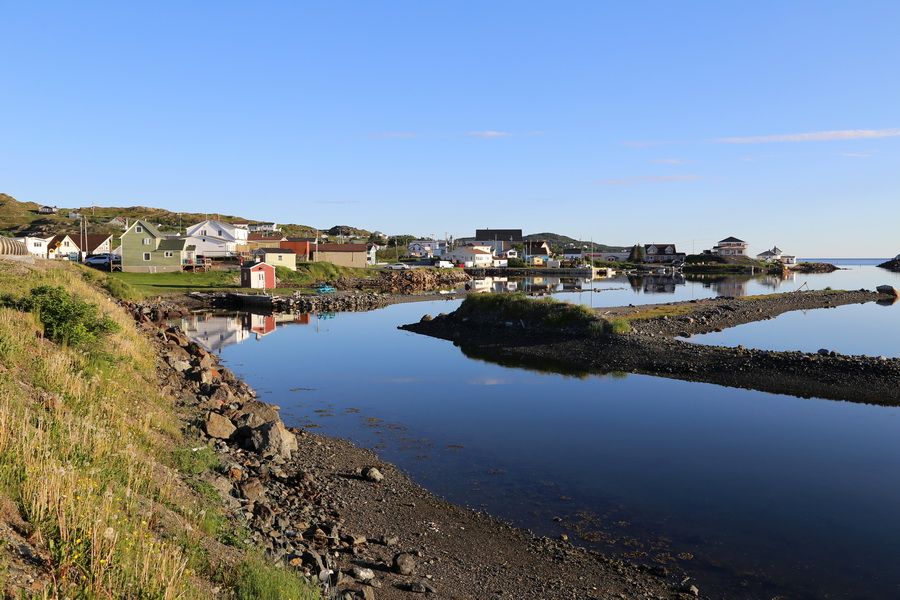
[[489, 134], [814, 136], [640, 143], [856, 154], [648, 179], [333, 202], [670, 161]]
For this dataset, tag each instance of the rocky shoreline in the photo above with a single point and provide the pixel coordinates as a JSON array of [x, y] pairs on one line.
[[651, 348], [358, 526]]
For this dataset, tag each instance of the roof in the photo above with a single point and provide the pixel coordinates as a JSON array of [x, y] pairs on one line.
[[172, 244], [539, 245], [147, 227], [252, 265], [274, 251], [732, 240], [300, 239], [503, 235], [659, 245], [264, 237], [95, 239], [572, 251], [341, 247], [768, 253]]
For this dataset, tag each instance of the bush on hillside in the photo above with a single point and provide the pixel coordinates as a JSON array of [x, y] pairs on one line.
[[66, 318]]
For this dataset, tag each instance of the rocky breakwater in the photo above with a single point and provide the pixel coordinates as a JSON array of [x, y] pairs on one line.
[[892, 265], [630, 339], [407, 282], [358, 526], [812, 267], [340, 302]]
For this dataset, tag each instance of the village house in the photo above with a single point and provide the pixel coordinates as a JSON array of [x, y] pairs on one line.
[[499, 240], [258, 275], [662, 253], [63, 247], [121, 222], [47, 210], [472, 255], [372, 253], [427, 248], [344, 255], [537, 254], [731, 246], [572, 254], [97, 243], [37, 246], [776, 255], [145, 250], [511, 253], [214, 238], [263, 228], [277, 257]]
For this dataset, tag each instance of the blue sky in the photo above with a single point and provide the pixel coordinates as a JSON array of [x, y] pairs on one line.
[[685, 122]]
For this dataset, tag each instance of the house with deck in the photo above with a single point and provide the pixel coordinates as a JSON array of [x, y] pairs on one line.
[[47, 210], [145, 250], [217, 239], [731, 246]]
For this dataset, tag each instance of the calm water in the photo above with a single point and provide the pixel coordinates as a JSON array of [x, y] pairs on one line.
[[758, 494]]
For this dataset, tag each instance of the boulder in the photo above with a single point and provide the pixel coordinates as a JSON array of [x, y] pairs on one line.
[[888, 290], [255, 413], [404, 563], [272, 439], [219, 426], [373, 474]]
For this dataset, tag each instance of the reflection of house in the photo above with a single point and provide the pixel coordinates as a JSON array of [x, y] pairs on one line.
[[258, 275], [731, 246], [662, 284], [499, 240], [472, 255], [662, 253], [261, 325], [214, 332]]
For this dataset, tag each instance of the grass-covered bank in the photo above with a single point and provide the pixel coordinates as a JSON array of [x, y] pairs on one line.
[[96, 475]]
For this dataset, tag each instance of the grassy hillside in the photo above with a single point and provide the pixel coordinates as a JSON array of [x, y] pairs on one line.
[[17, 218], [101, 493]]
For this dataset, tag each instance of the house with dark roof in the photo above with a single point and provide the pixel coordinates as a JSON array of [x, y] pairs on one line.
[[537, 253], [731, 246], [499, 240], [97, 243], [63, 247], [145, 250], [662, 253]]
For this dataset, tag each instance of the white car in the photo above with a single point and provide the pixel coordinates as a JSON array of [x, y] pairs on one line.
[[397, 266], [101, 260]]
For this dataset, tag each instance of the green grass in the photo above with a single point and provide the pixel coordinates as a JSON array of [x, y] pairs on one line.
[[256, 580], [313, 272], [154, 284], [546, 311]]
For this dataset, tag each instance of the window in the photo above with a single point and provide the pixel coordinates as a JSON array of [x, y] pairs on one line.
[[220, 233], [202, 232], [146, 256], [139, 229], [146, 241], [168, 254]]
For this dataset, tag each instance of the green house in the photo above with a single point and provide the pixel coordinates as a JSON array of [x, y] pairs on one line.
[[146, 250]]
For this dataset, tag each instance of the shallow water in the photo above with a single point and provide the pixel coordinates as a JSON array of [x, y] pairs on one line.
[[758, 493]]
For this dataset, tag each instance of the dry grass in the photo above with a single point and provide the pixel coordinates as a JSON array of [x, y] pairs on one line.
[[85, 440], [663, 310]]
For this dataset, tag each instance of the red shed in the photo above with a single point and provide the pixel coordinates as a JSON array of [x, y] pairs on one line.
[[258, 275]]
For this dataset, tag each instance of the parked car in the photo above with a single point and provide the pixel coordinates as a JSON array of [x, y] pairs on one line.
[[324, 288], [397, 266], [101, 260]]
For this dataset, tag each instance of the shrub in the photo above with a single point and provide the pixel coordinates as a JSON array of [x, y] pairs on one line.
[[618, 326], [546, 311], [66, 318], [516, 263]]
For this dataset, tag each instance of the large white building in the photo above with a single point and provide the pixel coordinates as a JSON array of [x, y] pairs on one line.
[[37, 246], [215, 238], [472, 256], [731, 246]]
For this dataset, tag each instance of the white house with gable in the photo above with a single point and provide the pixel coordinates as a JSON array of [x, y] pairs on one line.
[[216, 238]]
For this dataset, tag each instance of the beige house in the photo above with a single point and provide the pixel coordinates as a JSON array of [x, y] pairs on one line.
[[344, 255], [277, 257]]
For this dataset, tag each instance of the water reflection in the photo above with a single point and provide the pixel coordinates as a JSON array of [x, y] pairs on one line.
[[217, 330]]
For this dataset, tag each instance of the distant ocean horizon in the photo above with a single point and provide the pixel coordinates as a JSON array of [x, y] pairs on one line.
[[847, 261]]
